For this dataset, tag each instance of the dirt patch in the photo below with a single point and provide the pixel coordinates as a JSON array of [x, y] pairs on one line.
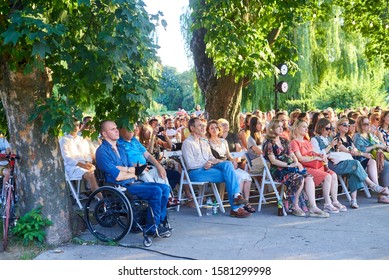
[[20, 252]]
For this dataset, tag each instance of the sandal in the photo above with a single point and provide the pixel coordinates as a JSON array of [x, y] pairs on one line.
[[331, 209], [383, 199], [353, 204], [379, 190], [249, 208], [172, 202], [316, 212], [340, 206], [298, 212]]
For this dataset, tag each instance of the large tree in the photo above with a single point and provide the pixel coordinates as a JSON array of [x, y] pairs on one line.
[[236, 41], [57, 59]]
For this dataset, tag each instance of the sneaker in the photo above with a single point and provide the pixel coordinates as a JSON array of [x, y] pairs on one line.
[[331, 209], [353, 204], [239, 213], [240, 200], [163, 231]]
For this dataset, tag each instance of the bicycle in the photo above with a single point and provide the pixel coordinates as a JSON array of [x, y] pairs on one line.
[[9, 199]]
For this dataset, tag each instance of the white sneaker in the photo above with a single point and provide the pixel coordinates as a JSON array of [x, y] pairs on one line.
[[120, 188]]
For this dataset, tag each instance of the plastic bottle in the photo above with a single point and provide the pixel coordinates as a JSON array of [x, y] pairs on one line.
[[280, 208], [214, 208], [209, 206]]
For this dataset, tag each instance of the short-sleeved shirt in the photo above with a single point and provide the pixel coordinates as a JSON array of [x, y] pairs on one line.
[[107, 159], [134, 150]]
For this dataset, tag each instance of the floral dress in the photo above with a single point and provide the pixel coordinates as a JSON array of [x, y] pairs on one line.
[[288, 176]]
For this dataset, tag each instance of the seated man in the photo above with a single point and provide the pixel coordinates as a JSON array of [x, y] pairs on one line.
[[137, 153], [204, 167], [111, 158], [77, 157]]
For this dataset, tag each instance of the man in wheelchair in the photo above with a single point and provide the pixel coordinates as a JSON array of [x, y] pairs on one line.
[[111, 158]]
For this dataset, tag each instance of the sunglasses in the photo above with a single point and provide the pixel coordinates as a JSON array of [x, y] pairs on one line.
[[328, 128], [366, 124], [345, 124], [377, 119]]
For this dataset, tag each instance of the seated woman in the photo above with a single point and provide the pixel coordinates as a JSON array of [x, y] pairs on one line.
[[353, 169], [384, 128], [303, 150], [276, 149], [220, 150], [254, 144], [244, 133], [368, 143]]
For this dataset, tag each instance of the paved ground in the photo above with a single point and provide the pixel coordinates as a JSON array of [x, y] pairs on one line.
[[353, 235]]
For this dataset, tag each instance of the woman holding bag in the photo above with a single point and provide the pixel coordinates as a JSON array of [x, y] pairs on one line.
[[352, 168], [313, 161]]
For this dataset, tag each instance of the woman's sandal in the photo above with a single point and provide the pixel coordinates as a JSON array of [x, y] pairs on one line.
[[354, 204], [379, 190], [340, 206], [383, 199], [298, 212], [249, 208]]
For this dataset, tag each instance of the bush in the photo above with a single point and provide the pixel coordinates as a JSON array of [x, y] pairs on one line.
[[30, 227]]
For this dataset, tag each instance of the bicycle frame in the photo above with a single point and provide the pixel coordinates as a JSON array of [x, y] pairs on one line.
[[8, 199]]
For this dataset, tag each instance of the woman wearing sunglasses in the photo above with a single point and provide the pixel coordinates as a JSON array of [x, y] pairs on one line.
[[366, 143], [352, 169]]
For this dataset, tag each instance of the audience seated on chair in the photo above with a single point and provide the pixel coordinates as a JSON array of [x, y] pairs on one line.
[[77, 157], [112, 159], [204, 167]]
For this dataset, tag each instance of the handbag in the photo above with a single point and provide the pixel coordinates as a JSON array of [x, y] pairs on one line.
[[379, 157], [337, 157], [315, 164]]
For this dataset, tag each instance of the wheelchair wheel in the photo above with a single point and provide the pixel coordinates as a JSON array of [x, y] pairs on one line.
[[108, 214], [147, 241]]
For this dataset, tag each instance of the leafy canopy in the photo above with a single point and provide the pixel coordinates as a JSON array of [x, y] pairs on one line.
[[240, 33], [99, 52]]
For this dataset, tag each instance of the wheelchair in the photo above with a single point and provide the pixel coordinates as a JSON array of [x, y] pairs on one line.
[[111, 213]]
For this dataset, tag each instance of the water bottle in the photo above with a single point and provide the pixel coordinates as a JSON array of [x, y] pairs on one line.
[[280, 208], [214, 208], [209, 206]]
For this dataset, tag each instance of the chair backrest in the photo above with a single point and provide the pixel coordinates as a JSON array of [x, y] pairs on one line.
[[177, 155]]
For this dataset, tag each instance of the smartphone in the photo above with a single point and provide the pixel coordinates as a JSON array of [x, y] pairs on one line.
[[161, 128]]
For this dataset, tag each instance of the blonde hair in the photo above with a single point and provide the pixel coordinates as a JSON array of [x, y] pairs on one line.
[[294, 128]]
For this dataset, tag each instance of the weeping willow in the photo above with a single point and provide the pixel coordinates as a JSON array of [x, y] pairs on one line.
[[333, 72]]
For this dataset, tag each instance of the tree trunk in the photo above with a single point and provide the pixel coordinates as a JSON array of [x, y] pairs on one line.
[[40, 171], [222, 95]]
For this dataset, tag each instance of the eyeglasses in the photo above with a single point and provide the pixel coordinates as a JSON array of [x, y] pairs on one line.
[[366, 124], [345, 124]]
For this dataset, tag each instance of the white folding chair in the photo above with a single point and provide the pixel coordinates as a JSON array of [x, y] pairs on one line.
[[74, 187], [185, 180], [347, 192], [266, 179]]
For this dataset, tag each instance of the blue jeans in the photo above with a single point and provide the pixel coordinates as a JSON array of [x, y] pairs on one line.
[[221, 172], [156, 194]]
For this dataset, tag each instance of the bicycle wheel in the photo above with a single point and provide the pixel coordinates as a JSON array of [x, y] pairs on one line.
[[6, 216], [110, 218]]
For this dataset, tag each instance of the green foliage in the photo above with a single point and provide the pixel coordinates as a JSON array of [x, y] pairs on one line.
[[99, 53], [243, 37], [30, 227], [176, 89]]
